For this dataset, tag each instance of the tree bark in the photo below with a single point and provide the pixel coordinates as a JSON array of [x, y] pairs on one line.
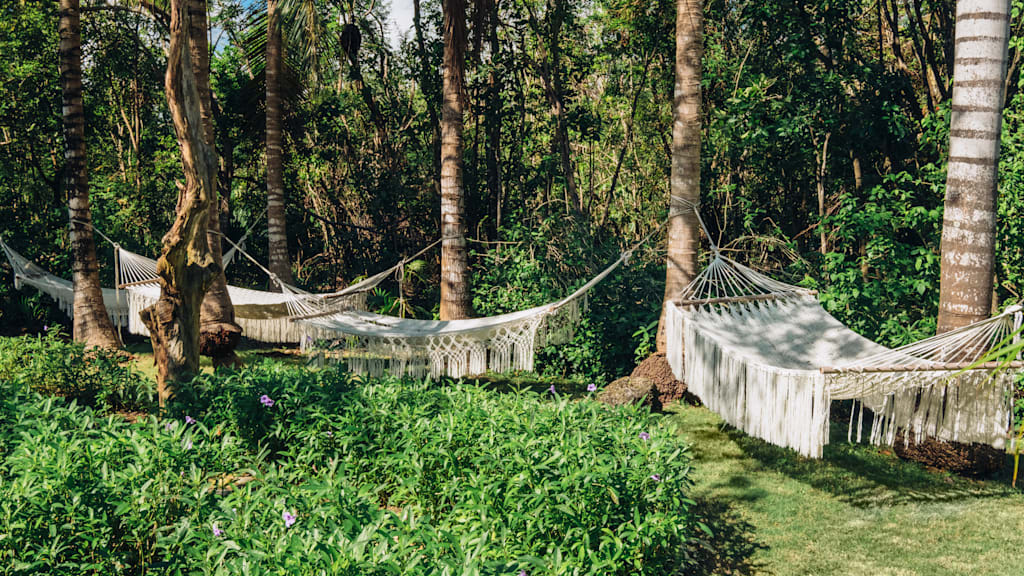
[[91, 323], [186, 267], [683, 227], [219, 333], [277, 237], [969, 222], [455, 301]]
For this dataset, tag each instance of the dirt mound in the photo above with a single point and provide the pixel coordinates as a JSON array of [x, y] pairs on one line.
[[963, 459], [629, 390], [657, 369]]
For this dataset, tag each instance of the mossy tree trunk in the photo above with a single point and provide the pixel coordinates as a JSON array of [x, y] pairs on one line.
[[186, 267]]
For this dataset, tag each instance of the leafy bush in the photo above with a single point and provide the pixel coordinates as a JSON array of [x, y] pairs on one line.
[[52, 366], [382, 477]]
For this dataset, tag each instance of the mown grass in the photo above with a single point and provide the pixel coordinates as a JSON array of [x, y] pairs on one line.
[[860, 510]]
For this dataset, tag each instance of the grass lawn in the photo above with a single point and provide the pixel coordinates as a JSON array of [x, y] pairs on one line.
[[860, 510], [145, 364]]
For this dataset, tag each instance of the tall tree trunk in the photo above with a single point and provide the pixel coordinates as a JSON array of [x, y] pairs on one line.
[[219, 331], [455, 302], [683, 227], [969, 223], [186, 267], [277, 237], [91, 323]]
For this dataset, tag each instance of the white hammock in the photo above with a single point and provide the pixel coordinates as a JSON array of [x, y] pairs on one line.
[[60, 290], [372, 344], [263, 316], [769, 359]]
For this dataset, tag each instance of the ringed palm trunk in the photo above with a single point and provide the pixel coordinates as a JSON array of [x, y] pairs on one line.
[[185, 267], [684, 186], [219, 331], [277, 236], [455, 301], [969, 222], [91, 324]]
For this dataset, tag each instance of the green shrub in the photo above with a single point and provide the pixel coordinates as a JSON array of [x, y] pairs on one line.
[[384, 477], [52, 366]]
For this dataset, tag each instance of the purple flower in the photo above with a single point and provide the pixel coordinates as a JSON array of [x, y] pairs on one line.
[[46, 328], [288, 519], [591, 387], [522, 573], [190, 420], [188, 444], [266, 401], [645, 436], [168, 426], [552, 389], [330, 434], [217, 531], [656, 477]]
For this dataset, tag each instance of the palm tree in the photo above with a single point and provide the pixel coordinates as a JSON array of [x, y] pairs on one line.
[[455, 301], [91, 323], [684, 188], [969, 223], [277, 235]]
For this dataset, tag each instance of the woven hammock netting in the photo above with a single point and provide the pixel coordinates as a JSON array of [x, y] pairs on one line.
[[263, 316], [770, 360]]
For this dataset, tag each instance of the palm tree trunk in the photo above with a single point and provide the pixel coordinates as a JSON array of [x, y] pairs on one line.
[[277, 237], [683, 227], [969, 223], [219, 333], [455, 302], [91, 324], [186, 267]]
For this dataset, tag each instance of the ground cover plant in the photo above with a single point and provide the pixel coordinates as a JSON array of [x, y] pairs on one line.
[[279, 470]]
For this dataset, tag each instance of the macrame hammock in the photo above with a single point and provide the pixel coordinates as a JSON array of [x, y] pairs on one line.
[[263, 316], [770, 360], [373, 344]]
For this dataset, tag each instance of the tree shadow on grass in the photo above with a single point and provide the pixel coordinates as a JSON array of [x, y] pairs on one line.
[[865, 476], [730, 548]]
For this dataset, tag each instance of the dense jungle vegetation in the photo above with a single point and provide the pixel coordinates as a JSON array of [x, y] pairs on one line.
[[847, 100]]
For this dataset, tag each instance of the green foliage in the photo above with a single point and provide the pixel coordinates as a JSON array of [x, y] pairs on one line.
[[385, 477], [537, 269], [50, 365]]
